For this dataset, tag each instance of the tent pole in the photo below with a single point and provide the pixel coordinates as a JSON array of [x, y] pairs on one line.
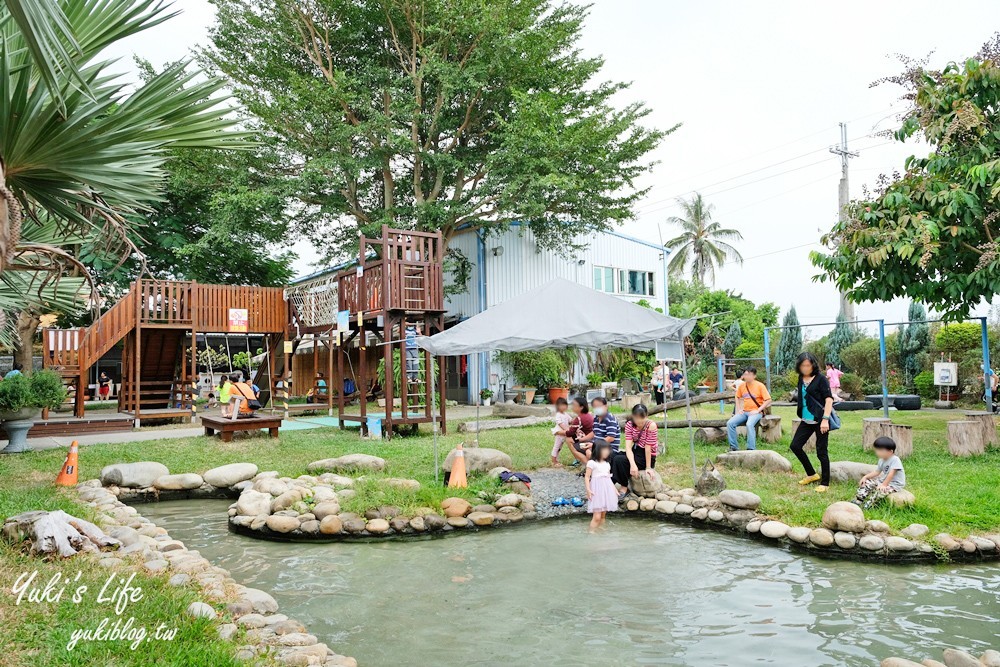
[[687, 398], [434, 425]]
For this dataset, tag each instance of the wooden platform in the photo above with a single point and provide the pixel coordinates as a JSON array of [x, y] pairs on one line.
[[226, 427], [71, 426]]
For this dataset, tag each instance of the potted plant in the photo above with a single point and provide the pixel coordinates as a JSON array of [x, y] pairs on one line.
[[21, 398], [486, 395]]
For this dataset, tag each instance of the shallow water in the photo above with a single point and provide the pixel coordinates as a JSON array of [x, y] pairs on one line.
[[643, 593]]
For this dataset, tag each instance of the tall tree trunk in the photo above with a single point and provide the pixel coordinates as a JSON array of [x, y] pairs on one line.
[[4, 221], [27, 325]]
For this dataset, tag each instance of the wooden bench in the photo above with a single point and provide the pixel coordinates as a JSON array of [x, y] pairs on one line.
[[226, 427]]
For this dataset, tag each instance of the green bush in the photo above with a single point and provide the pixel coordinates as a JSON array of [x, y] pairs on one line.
[[958, 338], [47, 389], [748, 350], [541, 369], [924, 382], [852, 384], [15, 393], [862, 358]]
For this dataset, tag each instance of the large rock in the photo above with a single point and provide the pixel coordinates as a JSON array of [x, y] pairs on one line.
[[899, 662], [872, 543], [845, 540], [228, 475], [133, 475], [253, 503], [915, 531], [183, 482], [850, 471], [479, 459], [774, 529], [743, 500], [454, 507], [514, 410], [481, 518], [901, 498], [348, 462], [844, 516], [325, 509], [330, 525], [646, 484], [821, 537], [756, 459], [262, 602], [955, 658], [282, 524]]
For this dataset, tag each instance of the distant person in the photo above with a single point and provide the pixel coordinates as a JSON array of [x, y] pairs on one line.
[[752, 399], [581, 425], [224, 390], [833, 375], [641, 448], [605, 429], [601, 495], [676, 378], [318, 391], [15, 371], [813, 405], [658, 379], [559, 431], [247, 378], [888, 477], [248, 403], [412, 352], [103, 386]]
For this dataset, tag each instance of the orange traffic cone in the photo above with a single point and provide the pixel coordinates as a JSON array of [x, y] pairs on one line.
[[69, 474], [457, 478]]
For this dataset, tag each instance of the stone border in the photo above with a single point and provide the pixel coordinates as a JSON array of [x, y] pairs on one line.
[[251, 615]]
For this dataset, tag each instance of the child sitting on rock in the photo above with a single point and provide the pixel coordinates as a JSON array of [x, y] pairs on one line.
[[888, 478]]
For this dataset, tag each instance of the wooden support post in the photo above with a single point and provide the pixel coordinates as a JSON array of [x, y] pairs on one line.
[[966, 438], [363, 365], [987, 422], [389, 386], [341, 351], [329, 372], [871, 429]]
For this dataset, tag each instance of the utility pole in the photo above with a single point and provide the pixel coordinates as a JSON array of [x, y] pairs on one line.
[[844, 197]]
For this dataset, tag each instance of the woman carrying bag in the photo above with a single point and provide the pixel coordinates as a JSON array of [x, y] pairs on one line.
[[814, 406]]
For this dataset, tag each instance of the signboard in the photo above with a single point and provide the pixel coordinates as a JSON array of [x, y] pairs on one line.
[[289, 347], [946, 373], [239, 320], [669, 350], [343, 320]]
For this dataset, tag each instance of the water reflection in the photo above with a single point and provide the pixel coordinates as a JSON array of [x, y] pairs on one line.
[[641, 594]]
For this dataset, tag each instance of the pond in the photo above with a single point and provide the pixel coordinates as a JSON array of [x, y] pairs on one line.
[[643, 593]]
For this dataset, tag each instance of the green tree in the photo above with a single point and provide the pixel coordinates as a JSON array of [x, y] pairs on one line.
[[702, 244], [955, 339], [842, 336], [914, 343], [933, 232], [436, 115], [790, 344], [734, 338]]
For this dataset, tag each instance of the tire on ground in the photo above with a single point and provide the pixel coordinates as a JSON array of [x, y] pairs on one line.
[[851, 406], [907, 402], [876, 400]]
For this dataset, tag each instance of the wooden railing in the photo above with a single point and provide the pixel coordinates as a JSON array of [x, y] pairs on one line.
[[348, 296], [410, 286]]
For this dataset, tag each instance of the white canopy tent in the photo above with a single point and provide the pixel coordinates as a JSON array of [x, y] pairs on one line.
[[587, 319]]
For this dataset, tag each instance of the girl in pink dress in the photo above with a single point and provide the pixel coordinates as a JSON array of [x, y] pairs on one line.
[[602, 496], [833, 376]]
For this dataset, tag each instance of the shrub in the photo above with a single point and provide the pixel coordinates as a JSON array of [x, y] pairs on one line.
[[47, 389], [862, 358], [958, 338], [15, 393], [852, 384], [541, 368], [924, 382], [748, 350]]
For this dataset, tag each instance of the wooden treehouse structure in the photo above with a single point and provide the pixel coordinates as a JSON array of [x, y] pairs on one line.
[[158, 322], [395, 291]]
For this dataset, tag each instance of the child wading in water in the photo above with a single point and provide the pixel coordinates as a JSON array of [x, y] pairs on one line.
[[601, 494], [888, 478], [563, 418]]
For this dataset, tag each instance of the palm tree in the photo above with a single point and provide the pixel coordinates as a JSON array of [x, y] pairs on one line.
[[80, 151], [702, 244]]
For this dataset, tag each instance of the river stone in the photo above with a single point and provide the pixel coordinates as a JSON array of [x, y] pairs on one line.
[[821, 537], [479, 459], [348, 462], [700, 514], [353, 525], [325, 509], [481, 518], [201, 610], [400, 523], [458, 522], [901, 498], [754, 526], [484, 508], [330, 525], [915, 531], [716, 515], [296, 639], [647, 504], [740, 518], [253, 503], [898, 662], [877, 526], [947, 542], [124, 534], [683, 509], [844, 516], [845, 540], [968, 546], [665, 506], [227, 475], [933, 663], [336, 481], [286, 500], [182, 482], [955, 658], [417, 524], [872, 543], [377, 526], [632, 505], [990, 658], [774, 529], [322, 494], [895, 543], [311, 526], [133, 475], [740, 499], [799, 534], [850, 471], [262, 602], [508, 500], [251, 621], [983, 544], [456, 507], [282, 524], [755, 459], [646, 484], [270, 485], [402, 484], [434, 521]]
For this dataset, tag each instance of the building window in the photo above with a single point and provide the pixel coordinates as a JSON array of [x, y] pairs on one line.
[[638, 283], [604, 279]]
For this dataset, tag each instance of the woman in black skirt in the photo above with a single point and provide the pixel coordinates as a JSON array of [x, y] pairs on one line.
[[814, 404]]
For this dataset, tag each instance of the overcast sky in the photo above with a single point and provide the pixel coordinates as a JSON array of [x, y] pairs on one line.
[[759, 89]]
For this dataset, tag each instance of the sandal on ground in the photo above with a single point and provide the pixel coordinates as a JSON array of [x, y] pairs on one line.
[[809, 480], [556, 464], [621, 496], [560, 501], [577, 502], [821, 488], [574, 464]]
